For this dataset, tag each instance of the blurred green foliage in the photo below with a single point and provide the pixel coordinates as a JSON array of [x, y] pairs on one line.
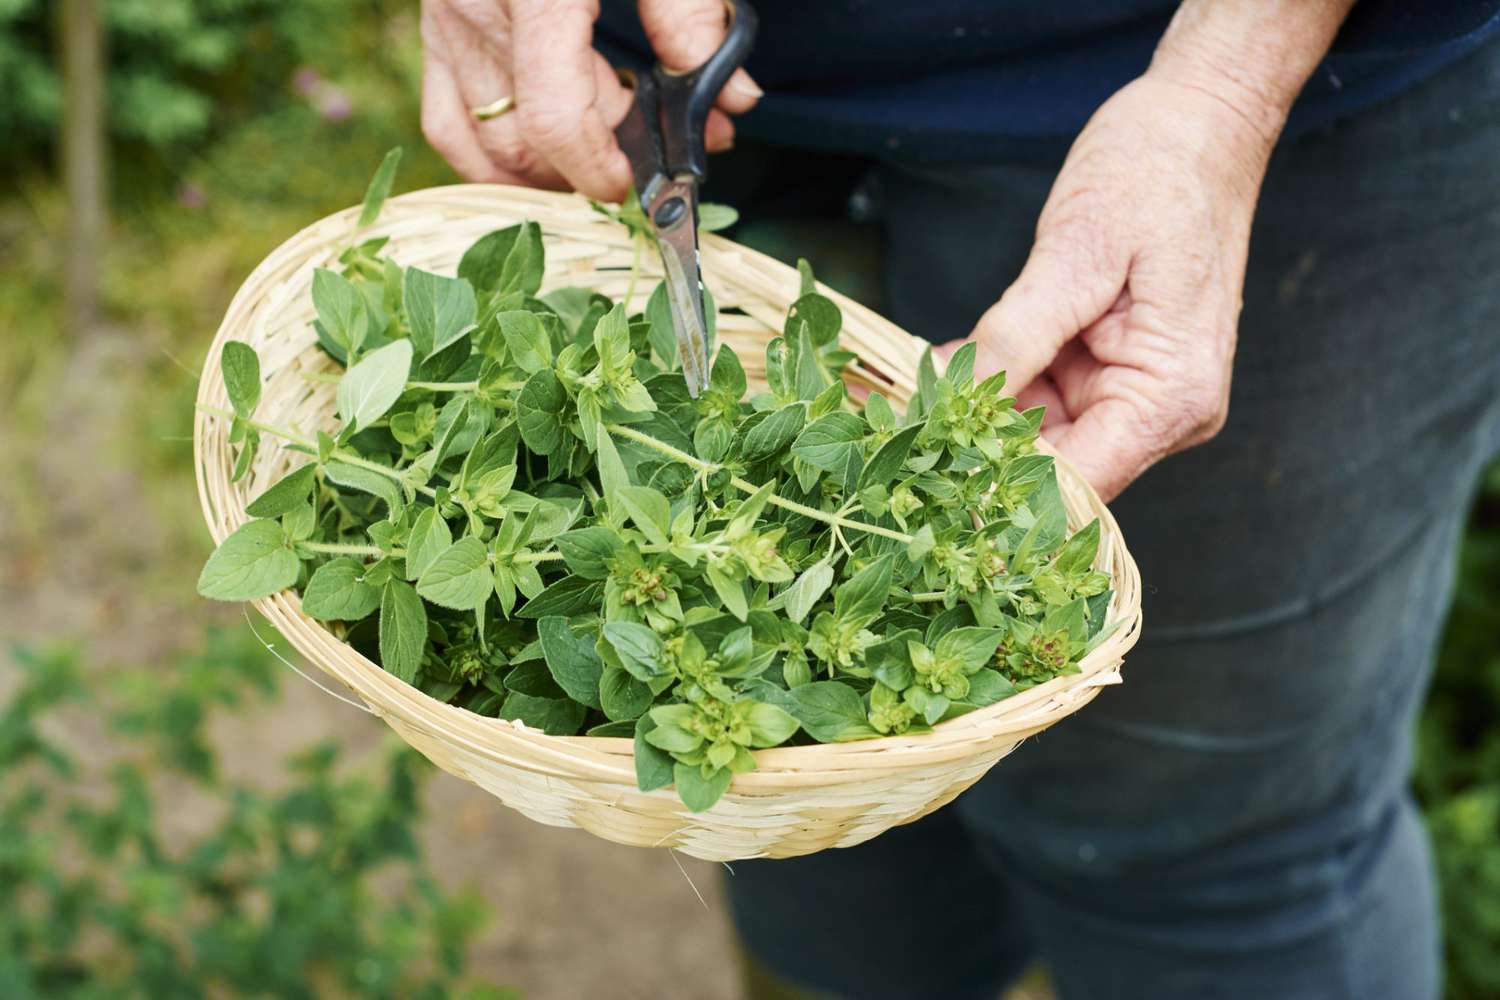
[[182, 71], [1458, 768], [318, 889]]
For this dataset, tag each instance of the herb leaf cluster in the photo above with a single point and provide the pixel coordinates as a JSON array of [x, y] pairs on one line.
[[524, 513]]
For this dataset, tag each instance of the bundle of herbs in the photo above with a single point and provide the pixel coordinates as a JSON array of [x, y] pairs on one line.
[[525, 514]]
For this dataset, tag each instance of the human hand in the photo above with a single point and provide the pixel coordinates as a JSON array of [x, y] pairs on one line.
[[567, 98], [1122, 323], [1123, 320]]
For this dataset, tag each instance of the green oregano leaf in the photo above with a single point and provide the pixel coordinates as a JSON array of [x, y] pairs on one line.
[[589, 551], [804, 593], [526, 340], [373, 385], [774, 433], [648, 509], [830, 711], [439, 310], [712, 217], [430, 538], [459, 577], [699, 791], [571, 660], [403, 630], [827, 442], [885, 465], [863, 596], [255, 561], [380, 187], [622, 696], [819, 315], [240, 367], [612, 474], [653, 767], [638, 647], [539, 412], [342, 310], [337, 591], [286, 495]]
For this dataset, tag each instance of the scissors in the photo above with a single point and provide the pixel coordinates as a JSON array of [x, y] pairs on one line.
[[662, 136]]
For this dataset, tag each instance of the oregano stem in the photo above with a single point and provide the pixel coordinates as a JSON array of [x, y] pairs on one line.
[[635, 269], [826, 518], [536, 557], [349, 458], [745, 486], [342, 455], [332, 378], [445, 386], [274, 431], [339, 549]]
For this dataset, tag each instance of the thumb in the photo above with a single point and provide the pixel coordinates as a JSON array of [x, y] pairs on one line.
[[1045, 307], [684, 33], [1109, 446]]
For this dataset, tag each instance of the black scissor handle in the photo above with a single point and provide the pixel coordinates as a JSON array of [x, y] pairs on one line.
[[639, 134], [686, 98]]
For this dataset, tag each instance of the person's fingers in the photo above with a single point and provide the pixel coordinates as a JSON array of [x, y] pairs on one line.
[[482, 83], [1043, 392], [684, 33], [615, 98], [1109, 444], [1038, 313], [1071, 279], [501, 140], [558, 97], [718, 134], [740, 94], [1075, 374], [449, 128], [946, 350]]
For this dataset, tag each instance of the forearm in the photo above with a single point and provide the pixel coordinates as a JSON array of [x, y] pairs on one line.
[[1252, 55]]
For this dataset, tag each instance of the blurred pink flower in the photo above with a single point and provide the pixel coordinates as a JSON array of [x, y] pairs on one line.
[[192, 195], [306, 81], [334, 104]]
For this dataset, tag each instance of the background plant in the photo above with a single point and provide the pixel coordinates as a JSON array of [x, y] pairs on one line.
[[1458, 766], [316, 890], [183, 72]]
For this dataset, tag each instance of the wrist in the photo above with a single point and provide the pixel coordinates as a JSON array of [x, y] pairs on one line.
[[1250, 56]]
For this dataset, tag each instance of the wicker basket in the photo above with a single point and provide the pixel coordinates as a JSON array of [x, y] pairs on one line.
[[800, 799]]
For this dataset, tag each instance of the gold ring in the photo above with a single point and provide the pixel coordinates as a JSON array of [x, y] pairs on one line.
[[494, 109]]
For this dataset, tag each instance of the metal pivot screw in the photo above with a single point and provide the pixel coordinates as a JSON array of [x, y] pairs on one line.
[[670, 212]]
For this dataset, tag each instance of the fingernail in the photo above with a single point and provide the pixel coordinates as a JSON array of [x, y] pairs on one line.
[[746, 87]]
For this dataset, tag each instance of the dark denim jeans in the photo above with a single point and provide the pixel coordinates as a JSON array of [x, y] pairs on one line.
[[1233, 821]]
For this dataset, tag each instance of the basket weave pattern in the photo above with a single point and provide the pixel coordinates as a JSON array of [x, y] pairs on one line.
[[800, 799]]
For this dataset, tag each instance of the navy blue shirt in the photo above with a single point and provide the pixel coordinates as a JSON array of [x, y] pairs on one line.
[[963, 79]]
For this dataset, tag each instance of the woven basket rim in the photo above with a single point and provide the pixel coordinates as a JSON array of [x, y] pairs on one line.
[[610, 758]]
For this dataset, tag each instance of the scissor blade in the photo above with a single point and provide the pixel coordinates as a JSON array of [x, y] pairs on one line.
[[678, 243]]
